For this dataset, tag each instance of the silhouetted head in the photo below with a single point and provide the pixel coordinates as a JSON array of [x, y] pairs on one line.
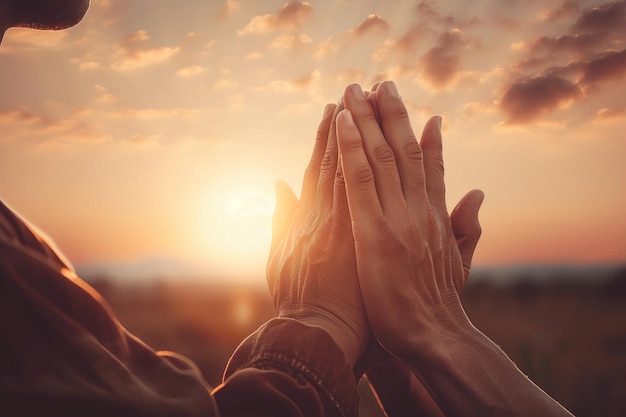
[[41, 14]]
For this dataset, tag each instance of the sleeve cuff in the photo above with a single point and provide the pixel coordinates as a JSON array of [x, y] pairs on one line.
[[308, 354]]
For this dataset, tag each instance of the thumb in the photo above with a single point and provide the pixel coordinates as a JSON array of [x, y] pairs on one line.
[[466, 229], [286, 203]]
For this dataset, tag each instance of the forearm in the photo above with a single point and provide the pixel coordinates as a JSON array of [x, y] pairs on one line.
[[468, 374]]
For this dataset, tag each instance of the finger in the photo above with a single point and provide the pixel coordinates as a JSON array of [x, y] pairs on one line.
[[431, 144], [363, 201], [379, 153], [340, 199], [466, 228], [373, 100], [286, 204], [400, 136], [326, 184], [312, 172]]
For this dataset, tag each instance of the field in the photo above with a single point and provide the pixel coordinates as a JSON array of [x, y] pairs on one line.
[[568, 334]]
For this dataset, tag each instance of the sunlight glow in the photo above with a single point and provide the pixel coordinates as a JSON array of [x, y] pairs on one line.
[[233, 222]]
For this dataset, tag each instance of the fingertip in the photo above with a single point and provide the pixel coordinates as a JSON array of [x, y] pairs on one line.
[[391, 89], [282, 190], [438, 120], [329, 109], [478, 197], [345, 117]]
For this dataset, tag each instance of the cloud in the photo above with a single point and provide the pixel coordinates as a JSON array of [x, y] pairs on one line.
[[296, 108], [441, 63], [253, 56], [427, 23], [291, 42], [609, 66], [131, 53], [225, 84], [594, 28], [190, 71], [374, 23], [290, 16], [153, 113], [237, 102], [529, 98], [230, 7], [607, 17], [349, 75], [23, 124], [568, 66], [566, 9], [307, 83], [610, 114], [428, 15]]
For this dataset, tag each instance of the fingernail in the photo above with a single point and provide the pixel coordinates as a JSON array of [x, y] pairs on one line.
[[392, 89], [347, 117], [357, 91]]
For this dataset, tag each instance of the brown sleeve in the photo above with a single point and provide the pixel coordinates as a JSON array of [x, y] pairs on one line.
[[291, 369], [63, 352]]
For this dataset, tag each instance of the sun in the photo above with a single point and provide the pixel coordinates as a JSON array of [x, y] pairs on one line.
[[247, 202], [233, 223]]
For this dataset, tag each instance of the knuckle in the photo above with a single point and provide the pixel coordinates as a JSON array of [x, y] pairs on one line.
[[413, 150], [383, 153], [363, 175], [397, 110], [329, 161], [365, 116]]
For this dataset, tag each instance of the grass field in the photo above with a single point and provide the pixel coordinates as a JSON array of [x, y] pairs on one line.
[[568, 335]]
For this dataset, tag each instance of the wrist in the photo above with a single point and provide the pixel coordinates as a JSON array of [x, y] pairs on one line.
[[347, 339], [446, 326]]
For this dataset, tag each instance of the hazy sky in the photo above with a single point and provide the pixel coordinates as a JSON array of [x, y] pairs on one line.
[[155, 129]]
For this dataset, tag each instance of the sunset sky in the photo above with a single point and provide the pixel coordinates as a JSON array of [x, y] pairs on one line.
[[154, 130]]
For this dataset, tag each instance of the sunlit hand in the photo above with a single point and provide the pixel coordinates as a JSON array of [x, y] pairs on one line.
[[397, 388], [410, 267], [409, 264], [311, 270]]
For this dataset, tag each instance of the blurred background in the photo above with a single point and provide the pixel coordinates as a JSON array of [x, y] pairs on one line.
[[145, 142], [564, 327]]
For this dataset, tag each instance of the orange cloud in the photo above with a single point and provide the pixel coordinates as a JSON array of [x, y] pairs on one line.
[[610, 114], [25, 125], [594, 28], [308, 83], [441, 64], [589, 61], [154, 113], [289, 42], [607, 67], [566, 9], [190, 71], [131, 54], [230, 7], [529, 98], [373, 23], [291, 16]]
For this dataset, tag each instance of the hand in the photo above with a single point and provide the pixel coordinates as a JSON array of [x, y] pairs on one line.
[[311, 270], [410, 267], [409, 264], [397, 388]]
